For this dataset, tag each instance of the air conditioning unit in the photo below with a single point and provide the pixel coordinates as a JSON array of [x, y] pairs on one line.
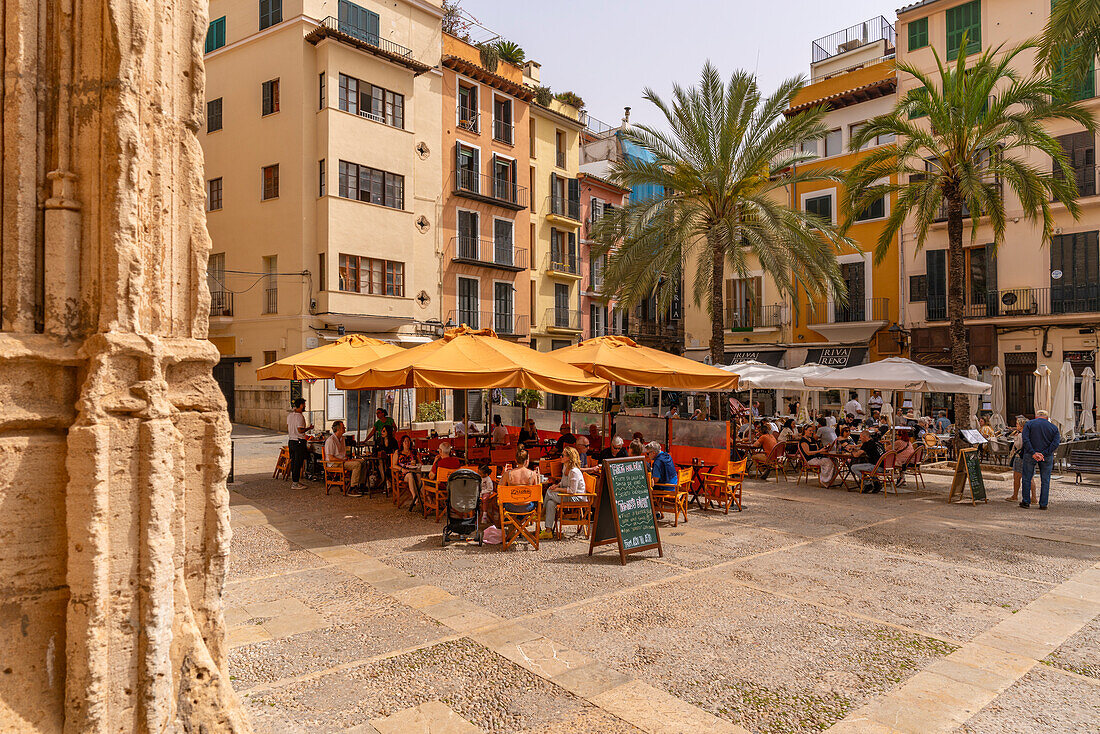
[[1019, 302], [851, 45]]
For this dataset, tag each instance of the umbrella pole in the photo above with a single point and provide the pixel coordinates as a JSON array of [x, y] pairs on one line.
[[658, 402], [358, 415]]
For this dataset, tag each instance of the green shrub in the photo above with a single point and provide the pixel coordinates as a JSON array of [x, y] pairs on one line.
[[528, 397], [429, 412], [635, 399], [587, 405]]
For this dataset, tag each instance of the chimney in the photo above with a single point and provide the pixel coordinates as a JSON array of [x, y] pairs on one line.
[[626, 116], [531, 71]]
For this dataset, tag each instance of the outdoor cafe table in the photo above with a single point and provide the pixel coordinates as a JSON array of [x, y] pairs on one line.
[[843, 463], [697, 469]]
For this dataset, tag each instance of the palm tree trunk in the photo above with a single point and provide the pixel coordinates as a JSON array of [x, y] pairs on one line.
[[717, 312], [956, 303]]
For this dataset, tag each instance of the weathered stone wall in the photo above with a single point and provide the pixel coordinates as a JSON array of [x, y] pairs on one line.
[[114, 524], [262, 405]]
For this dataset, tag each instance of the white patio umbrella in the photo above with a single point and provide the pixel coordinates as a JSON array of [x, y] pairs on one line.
[[975, 401], [997, 420], [753, 375], [898, 373], [1088, 400], [1042, 388], [1061, 409]]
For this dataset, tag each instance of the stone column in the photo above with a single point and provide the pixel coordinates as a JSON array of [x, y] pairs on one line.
[[114, 522]]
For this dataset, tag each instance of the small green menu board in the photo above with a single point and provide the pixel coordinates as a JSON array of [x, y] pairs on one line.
[[624, 511], [968, 468]]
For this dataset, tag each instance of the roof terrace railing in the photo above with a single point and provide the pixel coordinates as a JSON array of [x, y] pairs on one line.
[[849, 39]]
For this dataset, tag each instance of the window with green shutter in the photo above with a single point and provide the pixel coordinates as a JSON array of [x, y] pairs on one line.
[[215, 34], [918, 34], [964, 20]]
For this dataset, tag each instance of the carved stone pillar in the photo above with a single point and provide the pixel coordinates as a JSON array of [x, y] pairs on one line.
[[114, 523]]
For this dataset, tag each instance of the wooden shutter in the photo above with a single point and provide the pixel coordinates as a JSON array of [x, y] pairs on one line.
[[936, 266], [964, 20]]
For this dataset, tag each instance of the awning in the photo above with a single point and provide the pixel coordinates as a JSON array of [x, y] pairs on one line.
[[770, 357], [838, 357]]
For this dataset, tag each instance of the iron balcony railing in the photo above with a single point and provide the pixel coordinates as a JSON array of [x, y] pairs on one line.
[[595, 127], [605, 330], [561, 262], [563, 207], [502, 322], [563, 318], [503, 132], [849, 39], [1085, 178], [271, 300], [941, 215], [1054, 301], [221, 303], [490, 189], [348, 29], [469, 120], [867, 309], [753, 317], [488, 252], [670, 329]]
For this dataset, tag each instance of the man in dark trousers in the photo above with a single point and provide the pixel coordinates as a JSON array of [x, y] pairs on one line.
[[1041, 440]]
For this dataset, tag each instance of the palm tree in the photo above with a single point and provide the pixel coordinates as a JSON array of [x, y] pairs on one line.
[[511, 52], [722, 168], [1071, 39], [981, 120]]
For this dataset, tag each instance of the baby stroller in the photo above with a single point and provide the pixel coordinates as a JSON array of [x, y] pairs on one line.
[[463, 504]]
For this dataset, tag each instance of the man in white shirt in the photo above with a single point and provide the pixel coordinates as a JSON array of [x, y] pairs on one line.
[[464, 426], [853, 407], [296, 441], [337, 450], [830, 419], [874, 403]]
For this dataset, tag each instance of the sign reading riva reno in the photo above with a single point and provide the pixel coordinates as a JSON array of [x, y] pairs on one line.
[[624, 512]]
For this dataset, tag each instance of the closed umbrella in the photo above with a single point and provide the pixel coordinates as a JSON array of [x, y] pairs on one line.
[[975, 401], [1042, 388], [1061, 409], [1088, 400], [998, 400]]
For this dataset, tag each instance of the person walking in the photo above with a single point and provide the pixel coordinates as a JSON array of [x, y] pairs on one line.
[[1017, 462], [1041, 440], [296, 441]]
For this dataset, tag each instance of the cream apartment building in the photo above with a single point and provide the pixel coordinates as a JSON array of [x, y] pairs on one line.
[[1028, 303], [323, 174]]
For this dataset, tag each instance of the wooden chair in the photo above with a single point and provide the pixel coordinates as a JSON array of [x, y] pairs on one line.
[[282, 464], [934, 447], [433, 493], [883, 471], [913, 468], [776, 461], [725, 489], [514, 525], [577, 512], [551, 468], [674, 497], [335, 474], [805, 468]]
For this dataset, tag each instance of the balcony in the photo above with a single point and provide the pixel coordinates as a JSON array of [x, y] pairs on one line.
[[487, 253], [469, 120], [562, 319], [857, 36], [605, 330], [566, 210], [1016, 302], [221, 304], [755, 317], [855, 321], [563, 264], [504, 132], [490, 190], [504, 324], [353, 35]]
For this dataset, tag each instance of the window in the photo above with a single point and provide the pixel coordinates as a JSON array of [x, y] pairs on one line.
[[559, 148], [270, 182], [214, 115], [532, 141], [322, 272], [1078, 87], [503, 237], [854, 275], [597, 319], [467, 107], [321, 91], [503, 302], [334, 401], [935, 265], [363, 183], [877, 210], [561, 306], [358, 22], [502, 120], [743, 297], [918, 33], [271, 285], [1076, 256], [833, 142], [596, 209], [1080, 151], [349, 94], [808, 147], [468, 302], [468, 235], [964, 20], [214, 194], [215, 34], [271, 12], [270, 356], [365, 99], [877, 140], [321, 177], [467, 168], [270, 97], [371, 276], [822, 206], [981, 270], [918, 288], [596, 267], [504, 179]]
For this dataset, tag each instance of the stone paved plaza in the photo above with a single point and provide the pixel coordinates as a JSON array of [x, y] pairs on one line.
[[811, 610]]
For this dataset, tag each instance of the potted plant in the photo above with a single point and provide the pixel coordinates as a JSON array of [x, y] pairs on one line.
[[528, 397], [490, 56]]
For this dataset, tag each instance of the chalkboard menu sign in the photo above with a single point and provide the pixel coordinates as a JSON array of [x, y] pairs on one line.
[[624, 512], [968, 468]]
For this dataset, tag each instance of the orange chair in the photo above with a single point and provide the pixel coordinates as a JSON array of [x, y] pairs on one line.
[[515, 524], [673, 497], [577, 512], [335, 475], [433, 493], [725, 489], [551, 468], [282, 464]]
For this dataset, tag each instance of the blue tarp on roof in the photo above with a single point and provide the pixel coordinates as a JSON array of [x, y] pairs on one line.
[[631, 151]]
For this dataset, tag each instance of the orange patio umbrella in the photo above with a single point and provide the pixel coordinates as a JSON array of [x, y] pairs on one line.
[[622, 360], [324, 362]]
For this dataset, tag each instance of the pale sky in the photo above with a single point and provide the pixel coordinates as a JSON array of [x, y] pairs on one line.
[[607, 52]]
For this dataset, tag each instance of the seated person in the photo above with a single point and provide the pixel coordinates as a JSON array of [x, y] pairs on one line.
[[844, 438], [527, 434], [464, 426], [905, 449], [582, 453], [520, 475], [572, 483], [336, 450], [787, 432], [637, 448], [566, 437], [487, 494], [867, 456], [661, 469], [405, 461], [615, 450], [814, 455], [826, 434], [762, 447], [444, 460], [698, 415], [830, 419], [595, 440], [943, 424], [499, 435]]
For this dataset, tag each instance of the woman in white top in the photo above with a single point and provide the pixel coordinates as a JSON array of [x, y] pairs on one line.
[[1017, 457], [572, 483]]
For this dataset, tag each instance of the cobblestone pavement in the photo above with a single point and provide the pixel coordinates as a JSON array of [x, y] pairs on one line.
[[813, 609]]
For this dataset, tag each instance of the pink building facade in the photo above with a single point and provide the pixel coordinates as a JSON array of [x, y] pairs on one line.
[[599, 317]]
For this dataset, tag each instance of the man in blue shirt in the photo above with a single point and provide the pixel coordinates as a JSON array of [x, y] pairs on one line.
[[943, 425], [661, 468], [1041, 440]]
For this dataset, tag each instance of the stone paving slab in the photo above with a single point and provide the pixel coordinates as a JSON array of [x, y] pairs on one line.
[[1044, 701], [433, 717], [655, 712]]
